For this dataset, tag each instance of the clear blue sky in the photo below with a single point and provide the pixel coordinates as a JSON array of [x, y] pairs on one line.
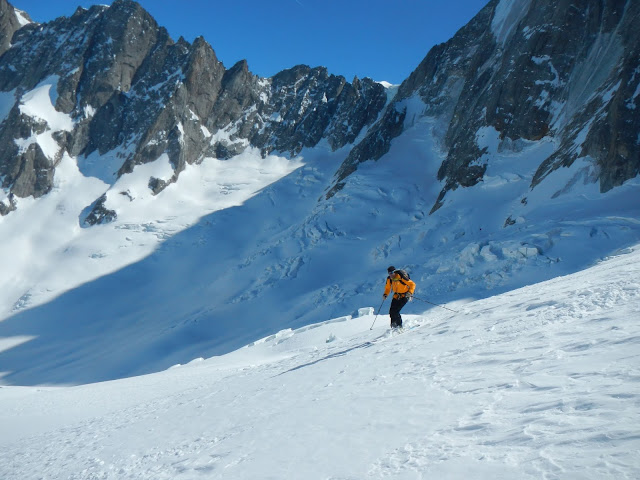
[[384, 40]]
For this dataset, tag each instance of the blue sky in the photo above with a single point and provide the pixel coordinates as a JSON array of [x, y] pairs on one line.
[[384, 40]]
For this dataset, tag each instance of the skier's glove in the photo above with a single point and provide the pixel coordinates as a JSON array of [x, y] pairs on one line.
[[409, 297]]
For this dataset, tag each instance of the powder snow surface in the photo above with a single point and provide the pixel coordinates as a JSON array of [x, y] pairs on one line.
[[541, 382]]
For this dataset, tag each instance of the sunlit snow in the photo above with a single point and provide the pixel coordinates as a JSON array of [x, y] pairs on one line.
[[222, 328], [540, 382]]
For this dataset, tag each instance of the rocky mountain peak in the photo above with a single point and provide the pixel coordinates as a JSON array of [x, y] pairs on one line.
[[11, 20], [532, 71], [131, 92]]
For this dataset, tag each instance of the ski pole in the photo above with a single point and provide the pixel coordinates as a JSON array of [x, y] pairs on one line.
[[427, 301], [374, 320]]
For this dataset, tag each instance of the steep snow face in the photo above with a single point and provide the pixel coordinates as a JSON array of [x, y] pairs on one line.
[[506, 17], [540, 382], [22, 17], [39, 105], [590, 73]]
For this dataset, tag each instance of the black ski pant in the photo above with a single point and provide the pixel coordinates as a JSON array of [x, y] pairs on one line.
[[394, 311]]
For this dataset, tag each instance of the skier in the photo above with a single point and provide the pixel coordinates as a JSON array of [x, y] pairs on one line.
[[403, 288]]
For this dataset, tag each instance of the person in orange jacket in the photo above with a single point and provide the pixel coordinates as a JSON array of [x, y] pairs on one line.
[[403, 289]]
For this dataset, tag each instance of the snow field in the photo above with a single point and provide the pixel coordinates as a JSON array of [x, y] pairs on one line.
[[540, 382], [154, 281]]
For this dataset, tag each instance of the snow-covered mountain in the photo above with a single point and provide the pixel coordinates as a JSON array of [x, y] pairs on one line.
[[525, 73], [125, 94], [540, 382], [184, 209]]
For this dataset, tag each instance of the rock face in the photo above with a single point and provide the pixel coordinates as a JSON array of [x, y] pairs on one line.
[[125, 86], [531, 70], [11, 20]]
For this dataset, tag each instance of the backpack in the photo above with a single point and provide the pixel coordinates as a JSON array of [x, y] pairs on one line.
[[403, 274]]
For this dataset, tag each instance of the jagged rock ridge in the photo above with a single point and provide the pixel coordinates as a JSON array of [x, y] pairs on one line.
[[126, 86]]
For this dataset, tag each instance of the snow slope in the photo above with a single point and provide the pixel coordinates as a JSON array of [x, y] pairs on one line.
[[539, 382], [238, 249]]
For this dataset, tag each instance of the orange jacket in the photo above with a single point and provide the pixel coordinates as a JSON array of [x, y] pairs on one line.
[[399, 286]]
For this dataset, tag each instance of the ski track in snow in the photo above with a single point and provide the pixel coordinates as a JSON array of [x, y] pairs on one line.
[[540, 382]]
